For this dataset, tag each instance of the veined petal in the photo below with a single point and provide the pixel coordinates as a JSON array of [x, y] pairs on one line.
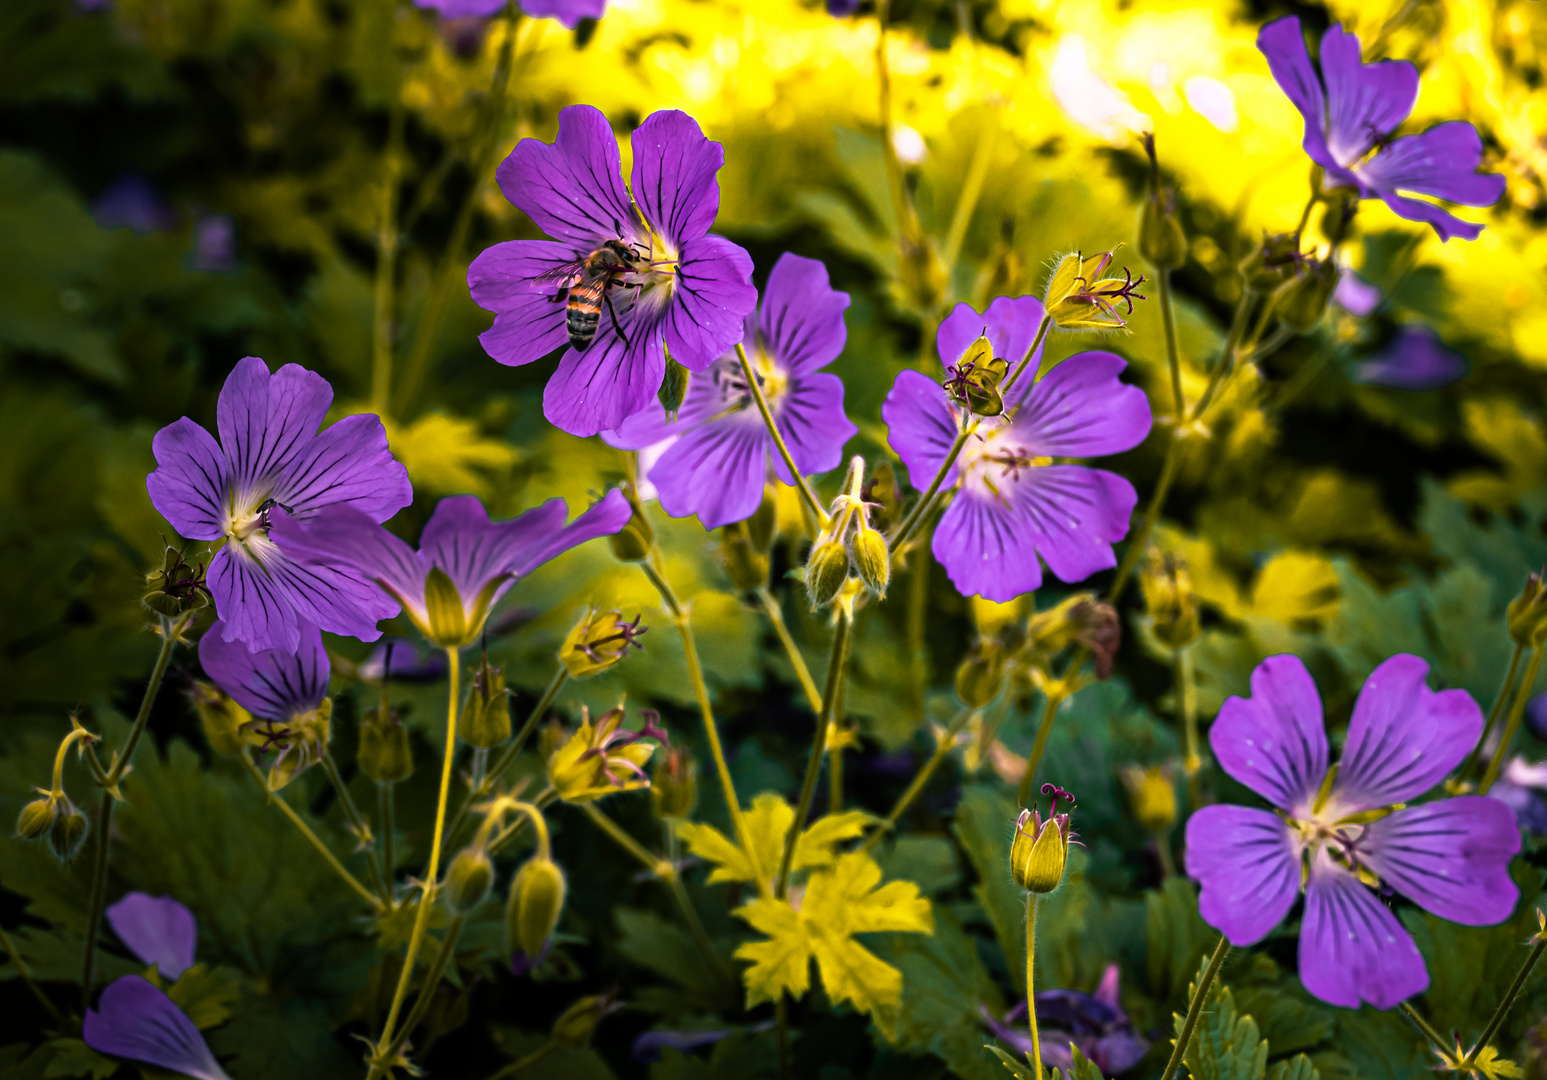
[[1082, 409], [191, 482], [814, 426], [1445, 224], [265, 421], [673, 177], [713, 293], [1011, 324], [1451, 857], [528, 322], [1441, 162], [273, 684], [983, 546], [1275, 741], [1249, 866], [801, 315], [347, 463], [1365, 102], [1403, 737], [572, 189], [1352, 948], [715, 471], [157, 929], [921, 427], [612, 380], [1283, 44], [135, 1020], [344, 540], [1073, 516], [262, 595]]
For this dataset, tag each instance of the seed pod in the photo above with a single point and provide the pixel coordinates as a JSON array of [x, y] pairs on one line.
[[223, 718], [634, 542], [37, 818], [872, 559], [468, 880], [575, 1024], [826, 570], [536, 901], [485, 719], [1272, 262], [384, 753], [980, 674], [1301, 301], [68, 832]]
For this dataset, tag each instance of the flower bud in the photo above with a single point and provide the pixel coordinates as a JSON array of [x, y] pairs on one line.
[[1300, 301], [1079, 298], [485, 719], [1272, 262], [826, 570], [871, 558], [975, 378], [746, 565], [177, 587], [1097, 627], [223, 718], [1527, 614], [1173, 609], [1161, 239], [468, 880], [1152, 796], [575, 1024], [1041, 848], [673, 391], [674, 785], [384, 753], [599, 640], [536, 901], [636, 539], [68, 832], [37, 818], [762, 525], [979, 677]]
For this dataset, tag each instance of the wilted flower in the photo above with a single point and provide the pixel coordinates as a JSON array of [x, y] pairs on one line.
[[271, 463], [674, 785], [1041, 848], [1334, 830], [158, 930], [177, 587], [602, 758], [135, 1020], [1414, 359], [1079, 298], [464, 564], [1096, 1023], [1352, 108], [670, 285]]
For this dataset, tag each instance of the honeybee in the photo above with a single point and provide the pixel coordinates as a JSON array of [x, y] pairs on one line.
[[587, 286]]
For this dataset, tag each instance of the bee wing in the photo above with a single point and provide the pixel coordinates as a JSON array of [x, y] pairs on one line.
[[588, 290], [562, 274]]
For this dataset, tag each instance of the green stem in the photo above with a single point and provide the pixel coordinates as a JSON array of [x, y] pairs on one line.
[[1516, 711], [1305, 215], [1031, 997], [756, 387], [1493, 713], [386, 798], [26, 976], [531, 1059], [1036, 343], [679, 617], [1055, 698], [1140, 541], [1226, 362], [917, 615], [1509, 1001], [432, 979], [98, 897], [798, 662], [921, 778], [1163, 850], [1173, 351], [1429, 1033], [431, 873], [908, 230], [362, 827], [1195, 1009], [311, 837], [1187, 712], [835, 664], [386, 262], [546, 798]]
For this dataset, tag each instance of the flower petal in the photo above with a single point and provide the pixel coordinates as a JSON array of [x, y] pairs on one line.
[[813, 423], [713, 293], [342, 536], [1441, 162], [1275, 741], [1403, 737], [1445, 224], [1082, 409], [273, 684], [1415, 359], [347, 463], [598, 389], [1249, 866], [1073, 516], [567, 12], [135, 1020], [1283, 44], [716, 471], [1352, 948], [266, 420], [1011, 324], [528, 322], [1365, 102], [921, 426], [1451, 857], [981, 543], [572, 189], [673, 176], [801, 315], [157, 929], [190, 484]]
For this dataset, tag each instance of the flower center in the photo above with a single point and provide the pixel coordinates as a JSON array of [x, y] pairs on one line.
[[994, 459]]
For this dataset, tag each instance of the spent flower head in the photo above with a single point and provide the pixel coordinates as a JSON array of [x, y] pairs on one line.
[[1080, 297], [599, 640], [603, 757]]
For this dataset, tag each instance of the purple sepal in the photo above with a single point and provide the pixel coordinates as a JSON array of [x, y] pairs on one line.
[[158, 930], [1414, 359], [135, 1020]]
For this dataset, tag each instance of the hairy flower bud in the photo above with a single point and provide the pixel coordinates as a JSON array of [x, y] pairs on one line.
[[979, 677], [872, 559], [37, 818], [384, 753], [1080, 298], [1041, 848], [223, 719], [485, 719], [674, 785], [68, 832], [826, 570], [1300, 302], [1168, 596], [575, 1024], [674, 388], [1527, 614], [535, 904], [634, 542], [599, 640], [744, 563], [1161, 239], [468, 880], [1152, 796]]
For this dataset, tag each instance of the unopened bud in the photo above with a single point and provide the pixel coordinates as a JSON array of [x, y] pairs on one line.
[[1527, 614], [1080, 298], [1272, 262], [536, 902], [1041, 848], [1161, 239], [384, 753], [872, 559], [599, 640], [979, 677], [1152, 795], [826, 570], [37, 818], [1300, 302], [468, 880], [673, 391], [576, 1024], [674, 785], [1097, 627], [223, 719], [1173, 609], [485, 719], [744, 563], [634, 542], [762, 525], [68, 832]]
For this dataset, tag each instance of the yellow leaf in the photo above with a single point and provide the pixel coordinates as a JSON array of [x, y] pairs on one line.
[[1493, 1067], [768, 823], [1296, 585], [1501, 429], [444, 453]]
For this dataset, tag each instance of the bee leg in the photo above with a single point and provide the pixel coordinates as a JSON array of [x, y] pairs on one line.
[[560, 296], [617, 327]]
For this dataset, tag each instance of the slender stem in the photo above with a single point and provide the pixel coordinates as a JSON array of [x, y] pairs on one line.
[[756, 388], [1187, 712], [1493, 713], [443, 955], [641, 854], [1509, 1000], [1301, 380], [531, 1059], [357, 819], [782, 1022], [546, 798], [386, 262], [1434, 1037], [1031, 996], [386, 799], [427, 898], [1173, 352], [311, 837], [1141, 536], [1226, 362], [1305, 215], [835, 663], [797, 661], [169, 638], [98, 896], [26, 975], [679, 617], [1195, 1009], [1055, 698], [921, 779], [972, 188], [1516, 711], [917, 615], [1036, 343]]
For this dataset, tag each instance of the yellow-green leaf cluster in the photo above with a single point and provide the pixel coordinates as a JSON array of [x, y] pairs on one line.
[[768, 823]]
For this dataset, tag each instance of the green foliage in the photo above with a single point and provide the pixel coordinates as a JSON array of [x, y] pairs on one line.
[[1225, 1044]]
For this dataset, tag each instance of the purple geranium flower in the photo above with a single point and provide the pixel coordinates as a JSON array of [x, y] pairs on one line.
[[1013, 503], [568, 12], [130, 202], [272, 462], [135, 1020], [718, 467], [1520, 787], [287, 690], [1355, 295], [465, 562], [1096, 1023], [1331, 829], [158, 930], [653, 273], [1350, 112], [1414, 359]]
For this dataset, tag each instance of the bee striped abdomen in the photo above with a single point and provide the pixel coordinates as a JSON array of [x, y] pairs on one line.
[[584, 312]]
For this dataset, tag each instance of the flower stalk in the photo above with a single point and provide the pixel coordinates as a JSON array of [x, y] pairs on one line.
[[797, 661], [922, 777], [1195, 1008], [1516, 711], [835, 665], [1031, 996], [362, 828], [1539, 943], [755, 387], [1494, 713]]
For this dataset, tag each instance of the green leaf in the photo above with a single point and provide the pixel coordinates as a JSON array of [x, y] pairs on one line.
[[1178, 938], [207, 995], [1017, 1068], [1298, 1067], [569, 1063], [1082, 1068], [943, 983], [72, 1057], [665, 948], [931, 862], [1225, 1045]]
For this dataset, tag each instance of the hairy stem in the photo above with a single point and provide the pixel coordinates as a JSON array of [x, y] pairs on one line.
[[1187, 712], [357, 819], [443, 955], [835, 663], [1435, 1039], [1508, 1003], [1055, 697], [386, 800], [311, 837], [756, 388], [1195, 1008], [1031, 996], [798, 662], [1173, 351], [1516, 711], [921, 778], [1493, 713]]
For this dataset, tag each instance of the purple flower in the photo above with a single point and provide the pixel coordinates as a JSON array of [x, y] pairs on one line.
[[272, 462], [274, 684], [158, 930], [652, 273], [1356, 295], [1014, 504], [1415, 359], [842, 9], [214, 243], [1451, 857], [402, 659], [130, 202], [568, 12], [135, 1020], [1352, 108], [1095, 1023], [718, 467], [1520, 788], [464, 564]]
